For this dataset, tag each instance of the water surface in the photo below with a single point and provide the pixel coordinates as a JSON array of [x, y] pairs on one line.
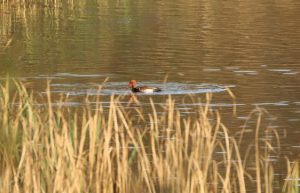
[[185, 47]]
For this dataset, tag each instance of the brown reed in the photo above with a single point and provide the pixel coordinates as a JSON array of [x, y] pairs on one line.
[[52, 148]]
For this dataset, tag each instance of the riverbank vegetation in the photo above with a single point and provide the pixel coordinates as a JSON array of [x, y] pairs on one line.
[[48, 147]]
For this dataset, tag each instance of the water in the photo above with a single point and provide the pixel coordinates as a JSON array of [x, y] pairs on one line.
[[252, 47], [121, 88]]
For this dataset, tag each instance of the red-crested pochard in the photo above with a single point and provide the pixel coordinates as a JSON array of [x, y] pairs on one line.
[[145, 89]]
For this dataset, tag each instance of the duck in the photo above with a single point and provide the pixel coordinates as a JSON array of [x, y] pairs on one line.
[[144, 89]]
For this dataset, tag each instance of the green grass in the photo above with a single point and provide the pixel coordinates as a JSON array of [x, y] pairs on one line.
[[59, 149]]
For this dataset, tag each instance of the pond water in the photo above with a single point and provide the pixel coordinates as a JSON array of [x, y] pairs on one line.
[[185, 47], [120, 88]]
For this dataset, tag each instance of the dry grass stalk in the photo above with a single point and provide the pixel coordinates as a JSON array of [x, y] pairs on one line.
[[52, 148]]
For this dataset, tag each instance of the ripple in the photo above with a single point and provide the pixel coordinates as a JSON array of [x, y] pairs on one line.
[[248, 72], [69, 75], [280, 70], [279, 103], [121, 88]]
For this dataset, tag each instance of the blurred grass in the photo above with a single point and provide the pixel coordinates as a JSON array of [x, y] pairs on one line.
[[52, 148]]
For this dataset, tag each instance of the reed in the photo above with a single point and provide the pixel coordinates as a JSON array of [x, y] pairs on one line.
[[292, 179], [52, 148]]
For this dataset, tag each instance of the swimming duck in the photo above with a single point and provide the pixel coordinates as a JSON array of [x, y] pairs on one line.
[[145, 89]]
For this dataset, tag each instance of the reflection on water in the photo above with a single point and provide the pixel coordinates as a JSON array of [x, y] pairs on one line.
[[251, 46]]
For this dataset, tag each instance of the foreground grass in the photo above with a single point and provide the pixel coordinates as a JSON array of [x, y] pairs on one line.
[[58, 149]]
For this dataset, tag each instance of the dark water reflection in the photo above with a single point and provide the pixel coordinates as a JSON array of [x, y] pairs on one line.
[[252, 46]]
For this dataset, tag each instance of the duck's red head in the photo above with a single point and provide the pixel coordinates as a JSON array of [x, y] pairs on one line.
[[132, 84]]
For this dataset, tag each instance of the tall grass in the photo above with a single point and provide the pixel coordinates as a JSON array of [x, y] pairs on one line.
[[52, 148]]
